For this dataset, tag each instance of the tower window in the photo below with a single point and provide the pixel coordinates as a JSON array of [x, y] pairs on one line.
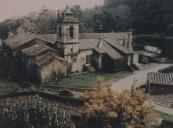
[[60, 32], [71, 32]]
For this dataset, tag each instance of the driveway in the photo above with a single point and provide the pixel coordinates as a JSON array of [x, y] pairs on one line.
[[139, 76]]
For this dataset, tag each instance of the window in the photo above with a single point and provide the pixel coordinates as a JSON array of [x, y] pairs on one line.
[[60, 32], [71, 32], [74, 59], [88, 60]]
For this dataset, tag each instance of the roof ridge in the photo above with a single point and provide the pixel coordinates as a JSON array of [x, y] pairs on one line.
[[118, 47]]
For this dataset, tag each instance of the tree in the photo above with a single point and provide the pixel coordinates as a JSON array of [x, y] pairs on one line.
[[43, 22], [125, 109], [8, 25]]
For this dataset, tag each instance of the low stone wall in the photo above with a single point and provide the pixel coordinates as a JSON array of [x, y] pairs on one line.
[[76, 89], [156, 89], [70, 100]]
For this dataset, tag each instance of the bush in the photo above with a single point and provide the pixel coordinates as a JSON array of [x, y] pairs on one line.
[[33, 113], [110, 109]]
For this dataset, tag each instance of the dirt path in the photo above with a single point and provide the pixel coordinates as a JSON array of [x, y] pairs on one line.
[[139, 76]]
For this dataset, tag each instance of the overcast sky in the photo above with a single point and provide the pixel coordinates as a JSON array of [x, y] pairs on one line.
[[15, 8]]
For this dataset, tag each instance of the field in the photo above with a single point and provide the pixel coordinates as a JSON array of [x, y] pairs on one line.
[[88, 80]]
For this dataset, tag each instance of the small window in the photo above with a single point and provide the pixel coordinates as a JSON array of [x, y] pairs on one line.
[[88, 60], [60, 32], [71, 32], [71, 50]]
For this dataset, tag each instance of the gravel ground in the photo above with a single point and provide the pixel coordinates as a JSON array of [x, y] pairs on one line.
[[139, 77]]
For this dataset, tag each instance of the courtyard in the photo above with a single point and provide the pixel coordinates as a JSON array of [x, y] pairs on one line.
[[88, 80]]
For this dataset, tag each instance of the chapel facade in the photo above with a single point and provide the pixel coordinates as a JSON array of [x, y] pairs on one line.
[[47, 57]]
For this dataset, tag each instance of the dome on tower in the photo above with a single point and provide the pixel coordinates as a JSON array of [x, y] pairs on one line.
[[68, 11], [67, 16]]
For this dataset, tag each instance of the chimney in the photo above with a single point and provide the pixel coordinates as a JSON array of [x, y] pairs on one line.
[[129, 41], [125, 41]]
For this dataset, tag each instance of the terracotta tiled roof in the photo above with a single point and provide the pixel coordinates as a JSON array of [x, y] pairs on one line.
[[88, 43], [45, 60], [18, 40], [105, 48], [48, 37], [111, 35], [113, 53], [114, 39], [34, 50], [117, 46], [163, 79], [49, 57]]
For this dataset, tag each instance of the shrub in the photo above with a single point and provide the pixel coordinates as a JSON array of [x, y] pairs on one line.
[[32, 112], [126, 109]]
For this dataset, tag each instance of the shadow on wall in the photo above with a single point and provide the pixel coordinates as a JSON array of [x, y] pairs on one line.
[[166, 124], [2, 65]]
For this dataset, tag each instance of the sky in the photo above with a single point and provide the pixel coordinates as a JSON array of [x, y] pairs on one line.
[[16, 8]]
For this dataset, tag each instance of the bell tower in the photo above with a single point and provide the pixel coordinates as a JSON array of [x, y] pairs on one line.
[[67, 35]]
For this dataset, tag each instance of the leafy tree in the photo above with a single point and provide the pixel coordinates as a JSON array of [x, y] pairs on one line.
[[139, 16], [42, 22], [8, 25]]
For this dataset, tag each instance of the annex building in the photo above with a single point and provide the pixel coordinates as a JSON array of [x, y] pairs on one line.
[[42, 58]]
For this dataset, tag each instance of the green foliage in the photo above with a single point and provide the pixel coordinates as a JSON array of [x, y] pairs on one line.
[[6, 25], [32, 112], [42, 22], [3, 30], [139, 16], [88, 80]]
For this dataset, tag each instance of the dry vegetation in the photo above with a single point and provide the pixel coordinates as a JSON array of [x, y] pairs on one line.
[[103, 108], [33, 112], [111, 109]]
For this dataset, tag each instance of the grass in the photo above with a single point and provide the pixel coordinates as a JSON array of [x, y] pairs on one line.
[[88, 80], [6, 86]]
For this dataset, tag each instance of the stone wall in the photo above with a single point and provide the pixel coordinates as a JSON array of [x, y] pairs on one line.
[[78, 65], [2, 64], [120, 64], [111, 65], [158, 89], [29, 70], [53, 71], [66, 44], [97, 61]]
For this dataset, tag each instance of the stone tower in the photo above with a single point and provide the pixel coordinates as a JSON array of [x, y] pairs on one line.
[[68, 36]]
